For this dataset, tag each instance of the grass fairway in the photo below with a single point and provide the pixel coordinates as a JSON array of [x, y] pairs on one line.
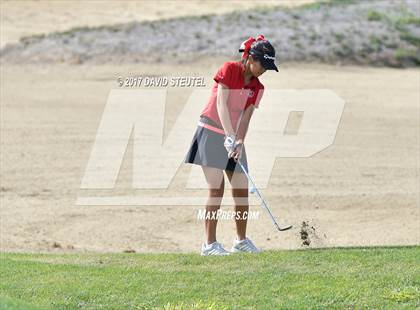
[[374, 278]]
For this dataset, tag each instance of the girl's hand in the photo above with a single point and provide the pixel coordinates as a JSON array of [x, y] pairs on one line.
[[236, 154]]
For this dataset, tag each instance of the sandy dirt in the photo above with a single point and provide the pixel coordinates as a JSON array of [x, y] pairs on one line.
[[24, 18], [363, 190]]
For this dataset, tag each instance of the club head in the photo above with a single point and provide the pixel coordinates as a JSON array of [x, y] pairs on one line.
[[284, 228]]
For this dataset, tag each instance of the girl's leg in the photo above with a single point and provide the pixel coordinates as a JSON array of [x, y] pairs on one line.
[[239, 183], [216, 184]]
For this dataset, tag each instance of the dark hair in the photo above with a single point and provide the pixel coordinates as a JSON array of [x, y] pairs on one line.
[[244, 60]]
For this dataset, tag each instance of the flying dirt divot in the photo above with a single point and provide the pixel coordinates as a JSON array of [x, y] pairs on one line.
[[309, 235]]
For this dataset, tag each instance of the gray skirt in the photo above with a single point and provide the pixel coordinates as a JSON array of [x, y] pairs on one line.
[[207, 149]]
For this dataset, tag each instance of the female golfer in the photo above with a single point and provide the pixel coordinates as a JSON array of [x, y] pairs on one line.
[[218, 142]]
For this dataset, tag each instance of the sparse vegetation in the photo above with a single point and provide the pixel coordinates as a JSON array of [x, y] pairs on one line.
[[374, 16], [339, 36], [365, 33], [405, 55]]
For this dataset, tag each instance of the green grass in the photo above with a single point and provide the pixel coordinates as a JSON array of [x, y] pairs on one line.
[[335, 278], [12, 304]]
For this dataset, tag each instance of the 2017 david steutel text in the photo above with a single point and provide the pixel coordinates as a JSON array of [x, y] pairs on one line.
[[161, 81]]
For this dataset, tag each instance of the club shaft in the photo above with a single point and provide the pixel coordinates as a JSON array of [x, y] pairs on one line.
[[259, 195]]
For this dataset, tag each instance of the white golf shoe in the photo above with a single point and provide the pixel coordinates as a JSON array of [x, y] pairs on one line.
[[214, 248], [244, 246]]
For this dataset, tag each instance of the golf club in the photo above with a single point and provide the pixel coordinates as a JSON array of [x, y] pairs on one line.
[[263, 201]]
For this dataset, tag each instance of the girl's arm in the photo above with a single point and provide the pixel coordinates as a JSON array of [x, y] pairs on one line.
[[244, 123], [242, 130], [223, 110]]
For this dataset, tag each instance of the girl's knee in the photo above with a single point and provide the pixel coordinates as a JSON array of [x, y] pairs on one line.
[[240, 192], [216, 192]]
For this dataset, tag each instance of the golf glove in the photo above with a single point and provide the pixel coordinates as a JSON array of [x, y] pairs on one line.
[[230, 143]]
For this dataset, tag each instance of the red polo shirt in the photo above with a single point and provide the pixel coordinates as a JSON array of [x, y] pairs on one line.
[[240, 96]]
